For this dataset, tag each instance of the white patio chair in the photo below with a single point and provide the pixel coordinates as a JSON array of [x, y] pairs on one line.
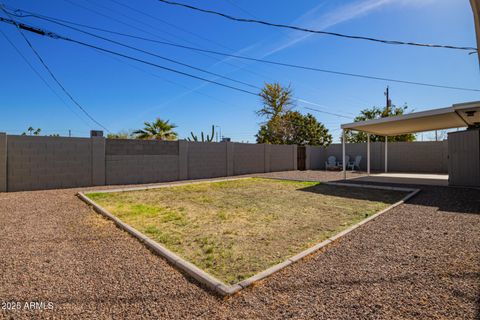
[[331, 163], [355, 164], [347, 160]]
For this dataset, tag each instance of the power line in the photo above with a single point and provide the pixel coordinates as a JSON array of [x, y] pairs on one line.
[[283, 64], [241, 9], [169, 81], [197, 35], [57, 36], [235, 88], [53, 75], [153, 54], [41, 77], [171, 60], [53, 35], [169, 24], [146, 31], [151, 16], [279, 25]]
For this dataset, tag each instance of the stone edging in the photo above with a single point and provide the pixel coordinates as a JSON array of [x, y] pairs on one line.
[[205, 278]]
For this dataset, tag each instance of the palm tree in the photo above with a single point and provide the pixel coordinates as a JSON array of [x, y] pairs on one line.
[[157, 130]]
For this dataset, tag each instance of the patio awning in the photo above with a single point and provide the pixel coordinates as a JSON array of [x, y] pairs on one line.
[[456, 116]]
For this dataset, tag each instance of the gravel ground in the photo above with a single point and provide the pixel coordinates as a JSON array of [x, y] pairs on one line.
[[420, 260]]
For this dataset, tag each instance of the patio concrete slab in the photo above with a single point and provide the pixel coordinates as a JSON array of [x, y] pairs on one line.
[[407, 178]]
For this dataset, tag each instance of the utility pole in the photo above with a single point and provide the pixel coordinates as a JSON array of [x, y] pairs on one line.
[[218, 134], [388, 102]]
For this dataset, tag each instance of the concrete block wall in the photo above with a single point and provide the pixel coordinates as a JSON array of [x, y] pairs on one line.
[[98, 161], [282, 157], [426, 157], [3, 162], [137, 161], [141, 161], [131, 169], [50, 162], [316, 158], [249, 158], [32, 163], [207, 160]]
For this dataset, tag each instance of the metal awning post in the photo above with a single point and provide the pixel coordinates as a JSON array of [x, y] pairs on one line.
[[343, 156], [386, 154], [368, 153]]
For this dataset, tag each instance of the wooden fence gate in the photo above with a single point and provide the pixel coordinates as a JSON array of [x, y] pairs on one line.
[[301, 157]]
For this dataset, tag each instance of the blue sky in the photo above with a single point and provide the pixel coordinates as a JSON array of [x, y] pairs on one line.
[[121, 96]]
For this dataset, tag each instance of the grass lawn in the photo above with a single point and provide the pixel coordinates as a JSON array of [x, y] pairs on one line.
[[235, 229]]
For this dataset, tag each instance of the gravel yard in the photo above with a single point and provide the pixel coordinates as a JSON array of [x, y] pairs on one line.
[[419, 260]]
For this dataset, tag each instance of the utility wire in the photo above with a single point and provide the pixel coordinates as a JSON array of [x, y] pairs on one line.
[[144, 30], [57, 36], [41, 77], [53, 35], [52, 74], [153, 54], [283, 64], [151, 16], [177, 62], [279, 25], [168, 81], [172, 25], [241, 9], [171, 60]]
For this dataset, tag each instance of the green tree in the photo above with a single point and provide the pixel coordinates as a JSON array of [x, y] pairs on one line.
[[276, 100], [294, 128], [378, 113], [284, 126], [157, 130]]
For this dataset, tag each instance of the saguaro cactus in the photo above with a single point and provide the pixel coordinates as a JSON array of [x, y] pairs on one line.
[[208, 139]]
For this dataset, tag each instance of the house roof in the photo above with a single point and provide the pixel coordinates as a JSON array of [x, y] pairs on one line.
[[456, 116]]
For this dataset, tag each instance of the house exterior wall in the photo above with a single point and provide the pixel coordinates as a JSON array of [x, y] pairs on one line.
[[464, 160]]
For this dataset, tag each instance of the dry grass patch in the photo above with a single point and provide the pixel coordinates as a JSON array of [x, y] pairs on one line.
[[235, 229]]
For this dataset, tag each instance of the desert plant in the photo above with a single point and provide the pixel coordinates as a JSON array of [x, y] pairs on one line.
[[208, 139], [121, 135]]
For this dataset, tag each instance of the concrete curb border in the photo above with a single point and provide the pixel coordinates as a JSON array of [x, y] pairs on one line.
[[206, 279]]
